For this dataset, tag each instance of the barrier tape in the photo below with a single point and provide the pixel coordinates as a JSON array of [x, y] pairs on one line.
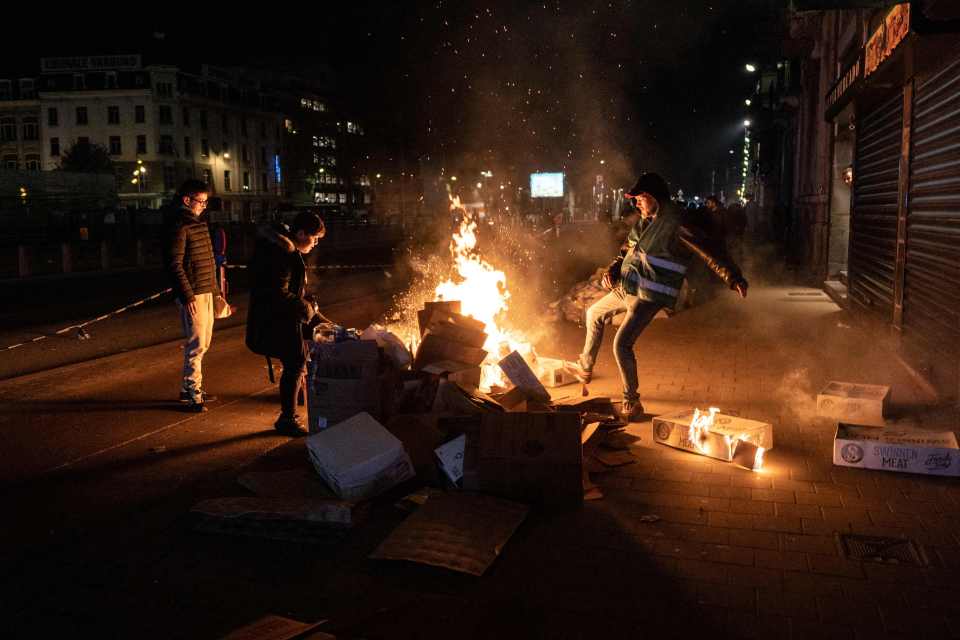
[[81, 334], [79, 328], [327, 266]]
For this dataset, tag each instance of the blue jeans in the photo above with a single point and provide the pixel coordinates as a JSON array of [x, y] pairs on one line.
[[639, 314]]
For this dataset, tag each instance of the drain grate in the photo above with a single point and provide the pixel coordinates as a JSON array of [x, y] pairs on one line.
[[881, 549]]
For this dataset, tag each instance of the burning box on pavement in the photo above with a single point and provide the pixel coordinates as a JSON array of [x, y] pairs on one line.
[[863, 404], [907, 450], [715, 435]]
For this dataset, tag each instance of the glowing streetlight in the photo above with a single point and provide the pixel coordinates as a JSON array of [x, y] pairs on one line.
[[750, 67], [747, 102], [746, 123]]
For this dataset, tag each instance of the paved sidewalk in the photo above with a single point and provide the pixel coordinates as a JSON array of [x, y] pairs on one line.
[[734, 554]]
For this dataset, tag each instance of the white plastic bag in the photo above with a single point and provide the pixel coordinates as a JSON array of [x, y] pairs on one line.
[[390, 343]]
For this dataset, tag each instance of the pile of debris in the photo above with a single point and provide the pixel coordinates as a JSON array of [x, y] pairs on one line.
[[384, 422], [573, 306]]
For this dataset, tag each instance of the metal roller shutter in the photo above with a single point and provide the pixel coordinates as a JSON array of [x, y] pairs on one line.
[[873, 221], [931, 306]]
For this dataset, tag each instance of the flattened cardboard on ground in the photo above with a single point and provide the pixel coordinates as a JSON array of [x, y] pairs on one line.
[[722, 439], [520, 374], [292, 519], [851, 403], [279, 628], [293, 483], [332, 511], [359, 458], [532, 457], [906, 450], [463, 532]]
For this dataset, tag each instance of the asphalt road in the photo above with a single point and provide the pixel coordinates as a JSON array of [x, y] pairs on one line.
[[45, 307]]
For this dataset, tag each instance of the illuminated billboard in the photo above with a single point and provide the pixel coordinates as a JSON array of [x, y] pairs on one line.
[[546, 185]]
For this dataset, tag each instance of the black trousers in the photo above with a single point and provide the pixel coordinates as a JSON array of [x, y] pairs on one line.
[[294, 369]]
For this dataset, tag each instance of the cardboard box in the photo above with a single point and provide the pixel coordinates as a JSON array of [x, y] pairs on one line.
[[719, 442], [552, 372], [342, 381], [907, 450], [425, 315], [531, 457], [450, 457], [434, 348], [458, 328], [863, 404], [520, 374], [359, 458]]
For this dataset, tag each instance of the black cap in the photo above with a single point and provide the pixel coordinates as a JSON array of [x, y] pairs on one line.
[[650, 183]]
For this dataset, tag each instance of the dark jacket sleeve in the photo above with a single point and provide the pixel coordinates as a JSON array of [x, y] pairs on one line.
[[176, 250], [299, 307], [712, 251]]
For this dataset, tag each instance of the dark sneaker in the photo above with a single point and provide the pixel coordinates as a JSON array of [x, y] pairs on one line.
[[206, 397], [194, 407], [581, 374], [631, 411], [290, 426]]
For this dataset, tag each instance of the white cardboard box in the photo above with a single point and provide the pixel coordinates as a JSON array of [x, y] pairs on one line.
[[450, 456], [908, 450], [553, 372], [863, 404], [719, 442], [359, 458]]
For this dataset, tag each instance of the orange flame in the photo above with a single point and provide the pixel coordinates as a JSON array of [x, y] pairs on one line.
[[483, 295]]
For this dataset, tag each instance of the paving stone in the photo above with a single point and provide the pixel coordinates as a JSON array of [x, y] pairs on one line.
[[811, 511], [835, 565], [789, 560]]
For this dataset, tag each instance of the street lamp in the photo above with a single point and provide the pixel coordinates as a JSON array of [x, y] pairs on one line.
[[746, 123], [747, 102], [750, 68]]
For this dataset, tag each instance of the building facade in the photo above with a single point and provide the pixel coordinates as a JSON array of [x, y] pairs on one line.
[[878, 128], [161, 125]]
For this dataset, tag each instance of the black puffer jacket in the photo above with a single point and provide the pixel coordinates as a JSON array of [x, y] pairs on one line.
[[278, 309], [188, 255]]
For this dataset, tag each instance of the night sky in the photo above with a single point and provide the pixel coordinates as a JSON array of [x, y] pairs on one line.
[[552, 85]]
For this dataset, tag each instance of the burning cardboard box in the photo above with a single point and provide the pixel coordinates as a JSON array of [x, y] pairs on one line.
[[716, 435], [451, 342], [863, 404], [907, 450]]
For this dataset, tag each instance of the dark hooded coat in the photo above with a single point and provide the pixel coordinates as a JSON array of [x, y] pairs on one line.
[[278, 308]]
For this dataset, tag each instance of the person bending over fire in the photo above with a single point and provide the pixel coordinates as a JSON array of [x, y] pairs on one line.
[[646, 277], [280, 307]]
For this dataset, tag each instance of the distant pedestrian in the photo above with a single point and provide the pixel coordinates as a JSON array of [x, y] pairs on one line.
[[280, 308], [189, 261], [646, 277]]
